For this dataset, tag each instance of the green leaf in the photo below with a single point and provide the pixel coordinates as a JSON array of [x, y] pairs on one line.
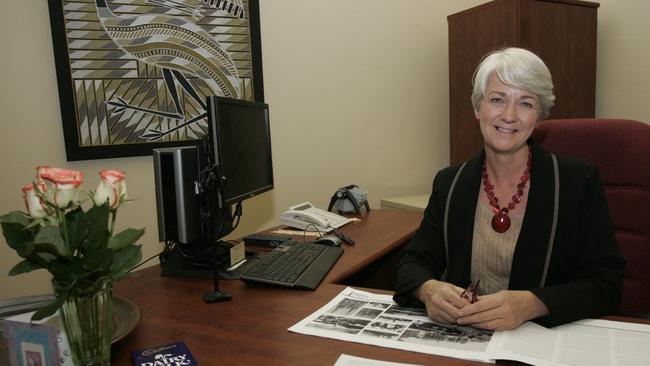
[[95, 260], [124, 238], [15, 217], [48, 252], [52, 235], [65, 270], [28, 251], [44, 258], [98, 233], [24, 266], [52, 307], [14, 229], [48, 257], [25, 250], [125, 259], [77, 226]]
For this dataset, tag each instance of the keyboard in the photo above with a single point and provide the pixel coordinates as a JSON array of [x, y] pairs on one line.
[[293, 264]]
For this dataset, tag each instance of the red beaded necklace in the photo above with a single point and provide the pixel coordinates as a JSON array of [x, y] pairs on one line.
[[501, 220]]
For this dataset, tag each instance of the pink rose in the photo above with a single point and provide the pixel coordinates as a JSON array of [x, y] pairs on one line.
[[33, 202], [61, 185], [111, 188]]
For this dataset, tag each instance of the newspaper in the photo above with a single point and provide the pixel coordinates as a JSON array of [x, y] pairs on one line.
[[363, 317], [590, 342]]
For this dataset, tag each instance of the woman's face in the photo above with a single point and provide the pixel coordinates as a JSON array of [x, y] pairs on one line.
[[507, 116]]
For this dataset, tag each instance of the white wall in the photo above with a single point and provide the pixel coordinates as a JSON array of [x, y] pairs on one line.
[[358, 93]]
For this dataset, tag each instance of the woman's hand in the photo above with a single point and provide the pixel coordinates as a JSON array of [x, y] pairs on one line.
[[502, 310], [442, 300]]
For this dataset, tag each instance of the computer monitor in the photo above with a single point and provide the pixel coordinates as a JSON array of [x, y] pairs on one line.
[[240, 136], [196, 186]]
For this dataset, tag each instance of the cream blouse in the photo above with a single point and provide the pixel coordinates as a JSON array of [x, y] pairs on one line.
[[492, 252]]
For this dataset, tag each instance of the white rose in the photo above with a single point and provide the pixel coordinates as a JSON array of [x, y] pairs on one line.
[[33, 202], [61, 185], [111, 188]]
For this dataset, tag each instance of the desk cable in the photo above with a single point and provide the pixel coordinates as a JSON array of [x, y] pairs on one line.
[[147, 260]]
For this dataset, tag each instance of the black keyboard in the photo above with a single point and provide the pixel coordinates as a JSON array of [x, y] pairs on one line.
[[292, 264]]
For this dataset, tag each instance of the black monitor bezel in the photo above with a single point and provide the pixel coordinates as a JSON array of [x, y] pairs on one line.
[[213, 103]]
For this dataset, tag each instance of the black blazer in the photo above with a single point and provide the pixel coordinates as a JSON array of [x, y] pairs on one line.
[[585, 269]]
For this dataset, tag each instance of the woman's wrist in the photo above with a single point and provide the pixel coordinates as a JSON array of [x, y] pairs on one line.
[[421, 291], [538, 308]]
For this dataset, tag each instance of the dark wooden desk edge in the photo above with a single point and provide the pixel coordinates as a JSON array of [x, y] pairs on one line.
[[252, 328]]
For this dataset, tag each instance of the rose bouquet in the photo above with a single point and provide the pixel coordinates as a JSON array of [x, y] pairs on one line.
[[77, 246]]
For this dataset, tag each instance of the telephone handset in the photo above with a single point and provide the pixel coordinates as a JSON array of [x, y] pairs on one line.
[[307, 217]]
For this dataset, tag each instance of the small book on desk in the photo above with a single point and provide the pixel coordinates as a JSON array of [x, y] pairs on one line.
[[168, 354], [292, 264]]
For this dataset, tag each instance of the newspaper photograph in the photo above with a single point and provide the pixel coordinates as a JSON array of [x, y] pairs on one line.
[[363, 317]]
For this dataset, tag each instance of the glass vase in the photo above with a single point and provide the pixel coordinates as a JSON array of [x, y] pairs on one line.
[[86, 316]]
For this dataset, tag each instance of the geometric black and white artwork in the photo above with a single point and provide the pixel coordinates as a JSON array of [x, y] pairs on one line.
[[134, 75]]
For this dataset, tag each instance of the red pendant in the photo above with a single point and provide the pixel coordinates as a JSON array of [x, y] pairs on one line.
[[501, 222]]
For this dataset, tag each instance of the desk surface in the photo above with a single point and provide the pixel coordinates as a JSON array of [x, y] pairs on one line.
[[251, 329]]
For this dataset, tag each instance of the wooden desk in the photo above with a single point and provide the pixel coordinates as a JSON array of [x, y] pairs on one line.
[[251, 329]]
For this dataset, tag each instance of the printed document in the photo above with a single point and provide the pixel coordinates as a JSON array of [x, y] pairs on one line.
[[363, 317], [590, 342]]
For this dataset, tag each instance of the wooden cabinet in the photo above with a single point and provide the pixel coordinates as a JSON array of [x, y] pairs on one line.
[[562, 33]]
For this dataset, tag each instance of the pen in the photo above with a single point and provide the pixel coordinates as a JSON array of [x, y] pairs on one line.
[[471, 292]]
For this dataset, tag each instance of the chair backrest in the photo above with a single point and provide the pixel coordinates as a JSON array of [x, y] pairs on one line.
[[621, 151]]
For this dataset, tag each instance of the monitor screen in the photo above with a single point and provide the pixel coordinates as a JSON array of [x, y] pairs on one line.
[[240, 137]]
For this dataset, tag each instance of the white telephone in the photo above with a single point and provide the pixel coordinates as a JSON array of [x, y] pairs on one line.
[[307, 217]]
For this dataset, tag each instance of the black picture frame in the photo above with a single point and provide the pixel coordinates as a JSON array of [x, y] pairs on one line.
[[91, 73]]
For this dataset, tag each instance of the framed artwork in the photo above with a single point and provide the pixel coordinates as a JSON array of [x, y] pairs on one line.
[[32, 344], [133, 75]]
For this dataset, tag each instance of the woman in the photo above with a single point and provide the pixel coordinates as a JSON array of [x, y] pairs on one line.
[[533, 228]]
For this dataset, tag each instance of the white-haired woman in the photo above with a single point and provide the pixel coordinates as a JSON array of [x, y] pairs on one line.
[[530, 228]]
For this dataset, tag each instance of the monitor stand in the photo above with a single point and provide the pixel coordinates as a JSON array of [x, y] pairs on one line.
[[173, 264], [216, 296]]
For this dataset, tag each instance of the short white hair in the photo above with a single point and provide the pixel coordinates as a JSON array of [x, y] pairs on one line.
[[519, 68]]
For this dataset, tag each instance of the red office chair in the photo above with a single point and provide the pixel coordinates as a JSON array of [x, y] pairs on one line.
[[621, 150]]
